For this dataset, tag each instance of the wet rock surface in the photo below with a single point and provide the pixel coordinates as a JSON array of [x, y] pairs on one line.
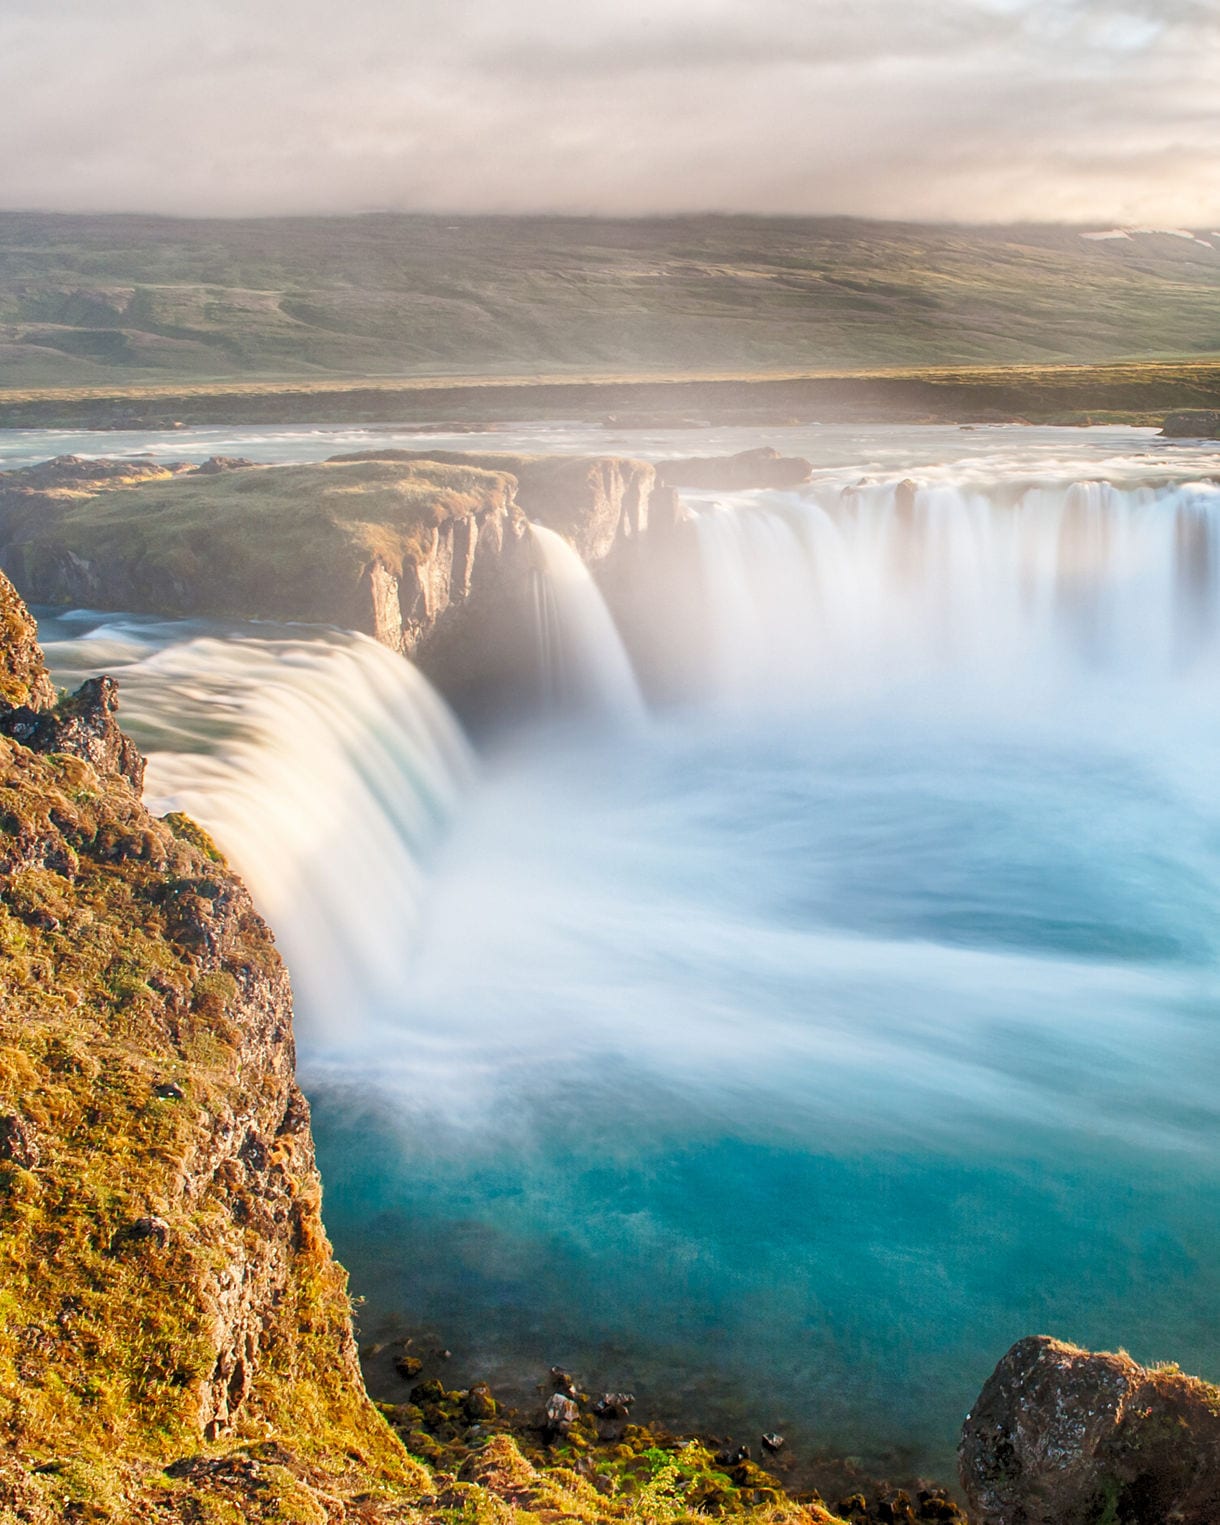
[[1063, 1436]]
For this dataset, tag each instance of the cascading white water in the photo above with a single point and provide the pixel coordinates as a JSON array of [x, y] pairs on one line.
[[836, 588], [584, 664], [327, 769]]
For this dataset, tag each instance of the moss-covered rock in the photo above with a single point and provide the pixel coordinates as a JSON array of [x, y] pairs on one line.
[[1062, 1436], [23, 676]]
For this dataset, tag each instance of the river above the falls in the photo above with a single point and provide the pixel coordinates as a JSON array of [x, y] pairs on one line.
[[786, 1054]]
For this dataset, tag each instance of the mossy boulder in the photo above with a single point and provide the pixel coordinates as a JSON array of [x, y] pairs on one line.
[[1063, 1436]]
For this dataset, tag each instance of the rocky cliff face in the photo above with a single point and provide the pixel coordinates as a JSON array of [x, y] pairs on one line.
[[169, 1293], [601, 503], [375, 546], [465, 612], [1061, 1436]]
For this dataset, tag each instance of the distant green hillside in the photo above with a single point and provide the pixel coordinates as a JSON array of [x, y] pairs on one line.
[[104, 300]]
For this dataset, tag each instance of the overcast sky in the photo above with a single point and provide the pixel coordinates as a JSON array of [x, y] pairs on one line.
[[1074, 110]]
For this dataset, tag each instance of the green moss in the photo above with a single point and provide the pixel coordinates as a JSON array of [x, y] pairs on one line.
[[190, 831]]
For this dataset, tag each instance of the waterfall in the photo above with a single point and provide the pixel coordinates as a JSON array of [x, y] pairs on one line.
[[833, 588], [327, 769], [933, 980], [583, 661]]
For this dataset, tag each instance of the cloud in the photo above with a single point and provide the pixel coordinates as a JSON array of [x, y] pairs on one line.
[[952, 109]]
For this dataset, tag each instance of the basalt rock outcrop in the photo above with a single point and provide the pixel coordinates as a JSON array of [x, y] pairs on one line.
[[1062, 1436], [748, 469], [600, 503], [170, 1296]]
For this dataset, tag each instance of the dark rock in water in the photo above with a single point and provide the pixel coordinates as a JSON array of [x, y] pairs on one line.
[[408, 1366], [18, 1144], [1193, 423], [612, 1412], [904, 497], [563, 1381], [478, 1404], [930, 1506], [1061, 1436], [773, 1442], [731, 473], [732, 1456], [560, 1414], [934, 1504]]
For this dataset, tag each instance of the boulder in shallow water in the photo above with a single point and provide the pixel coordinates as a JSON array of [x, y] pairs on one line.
[[1062, 1436], [559, 1415], [479, 1404]]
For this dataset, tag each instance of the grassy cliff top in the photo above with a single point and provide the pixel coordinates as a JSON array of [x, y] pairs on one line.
[[272, 541], [335, 510]]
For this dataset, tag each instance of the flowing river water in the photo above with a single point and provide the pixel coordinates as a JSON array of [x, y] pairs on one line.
[[783, 1051]]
